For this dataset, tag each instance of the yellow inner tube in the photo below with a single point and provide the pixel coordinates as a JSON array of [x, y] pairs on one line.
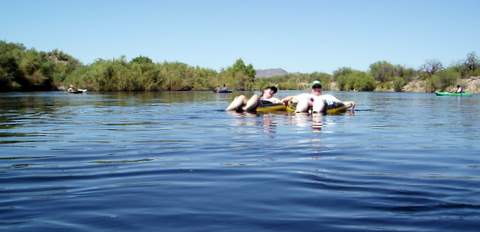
[[336, 110], [273, 108], [291, 108]]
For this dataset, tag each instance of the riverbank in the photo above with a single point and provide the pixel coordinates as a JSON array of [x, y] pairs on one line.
[[23, 69], [471, 85]]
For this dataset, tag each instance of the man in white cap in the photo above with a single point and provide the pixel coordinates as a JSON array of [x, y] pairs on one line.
[[316, 101]]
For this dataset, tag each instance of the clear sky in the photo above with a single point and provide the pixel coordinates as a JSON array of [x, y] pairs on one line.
[[302, 36]]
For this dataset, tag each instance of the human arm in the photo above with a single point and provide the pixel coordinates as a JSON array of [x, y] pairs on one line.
[[287, 99]]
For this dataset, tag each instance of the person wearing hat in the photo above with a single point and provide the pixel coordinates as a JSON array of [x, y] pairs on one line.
[[240, 103], [316, 101]]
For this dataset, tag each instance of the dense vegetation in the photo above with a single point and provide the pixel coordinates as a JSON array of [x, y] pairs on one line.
[[142, 74], [439, 78], [29, 69], [139, 74], [384, 76]]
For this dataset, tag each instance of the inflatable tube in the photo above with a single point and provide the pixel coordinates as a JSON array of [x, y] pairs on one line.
[[291, 108], [222, 91], [438, 93], [77, 91], [332, 111], [272, 108]]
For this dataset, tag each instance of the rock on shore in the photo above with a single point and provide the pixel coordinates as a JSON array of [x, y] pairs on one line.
[[471, 85], [415, 86]]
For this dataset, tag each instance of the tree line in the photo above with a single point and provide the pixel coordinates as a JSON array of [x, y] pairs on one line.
[[29, 69], [384, 76], [24, 69]]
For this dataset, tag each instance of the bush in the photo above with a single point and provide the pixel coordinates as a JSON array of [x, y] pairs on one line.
[[364, 82], [385, 86], [398, 84], [356, 80], [382, 71], [443, 79], [28, 69], [142, 75], [342, 72]]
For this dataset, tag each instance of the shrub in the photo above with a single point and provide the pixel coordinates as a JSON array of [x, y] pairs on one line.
[[356, 80], [364, 82], [398, 84], [382, 71], [443, 79]]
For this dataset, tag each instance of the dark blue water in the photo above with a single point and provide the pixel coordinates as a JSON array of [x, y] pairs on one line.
[[177, 162]]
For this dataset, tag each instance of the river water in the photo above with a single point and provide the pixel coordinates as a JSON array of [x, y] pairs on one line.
[[178, 162]]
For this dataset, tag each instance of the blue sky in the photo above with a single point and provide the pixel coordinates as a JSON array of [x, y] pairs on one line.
[[301, 36]]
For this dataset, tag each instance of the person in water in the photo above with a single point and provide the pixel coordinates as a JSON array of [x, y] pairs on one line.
[[224, 88], [240, 103], [459, 89], [316, 101], [72, 88], [221, 89]]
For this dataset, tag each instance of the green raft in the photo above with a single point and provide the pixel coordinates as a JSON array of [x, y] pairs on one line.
[[438, 93]]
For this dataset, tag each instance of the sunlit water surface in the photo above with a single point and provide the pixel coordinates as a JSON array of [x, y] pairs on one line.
[[178, 162]]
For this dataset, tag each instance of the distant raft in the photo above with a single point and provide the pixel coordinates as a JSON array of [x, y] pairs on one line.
[[222, 91], [76, 91], [465, 94]]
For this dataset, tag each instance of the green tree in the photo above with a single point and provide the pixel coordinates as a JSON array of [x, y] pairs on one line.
[[431, 67], [8, 72], [470, 66], [363, 81], [444, 79], [398, 84], [343, 71], [141, 60], [472, 62], [382, 71], [239, 76]]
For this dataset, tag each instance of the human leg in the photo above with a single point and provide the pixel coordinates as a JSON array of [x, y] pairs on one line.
[[319, 106], [237, 103], [252, 103], [302, 105]]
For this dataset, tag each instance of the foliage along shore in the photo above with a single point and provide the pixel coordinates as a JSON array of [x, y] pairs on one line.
[[26, 69]]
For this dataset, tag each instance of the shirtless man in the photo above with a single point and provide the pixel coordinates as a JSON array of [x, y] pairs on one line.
[[240, 103]]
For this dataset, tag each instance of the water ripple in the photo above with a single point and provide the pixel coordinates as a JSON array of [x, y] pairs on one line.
[[178, 162]]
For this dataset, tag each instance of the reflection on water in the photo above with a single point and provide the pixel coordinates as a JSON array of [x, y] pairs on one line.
[[179, 162]]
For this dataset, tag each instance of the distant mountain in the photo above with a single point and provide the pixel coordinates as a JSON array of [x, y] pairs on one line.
[[271, 72]]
